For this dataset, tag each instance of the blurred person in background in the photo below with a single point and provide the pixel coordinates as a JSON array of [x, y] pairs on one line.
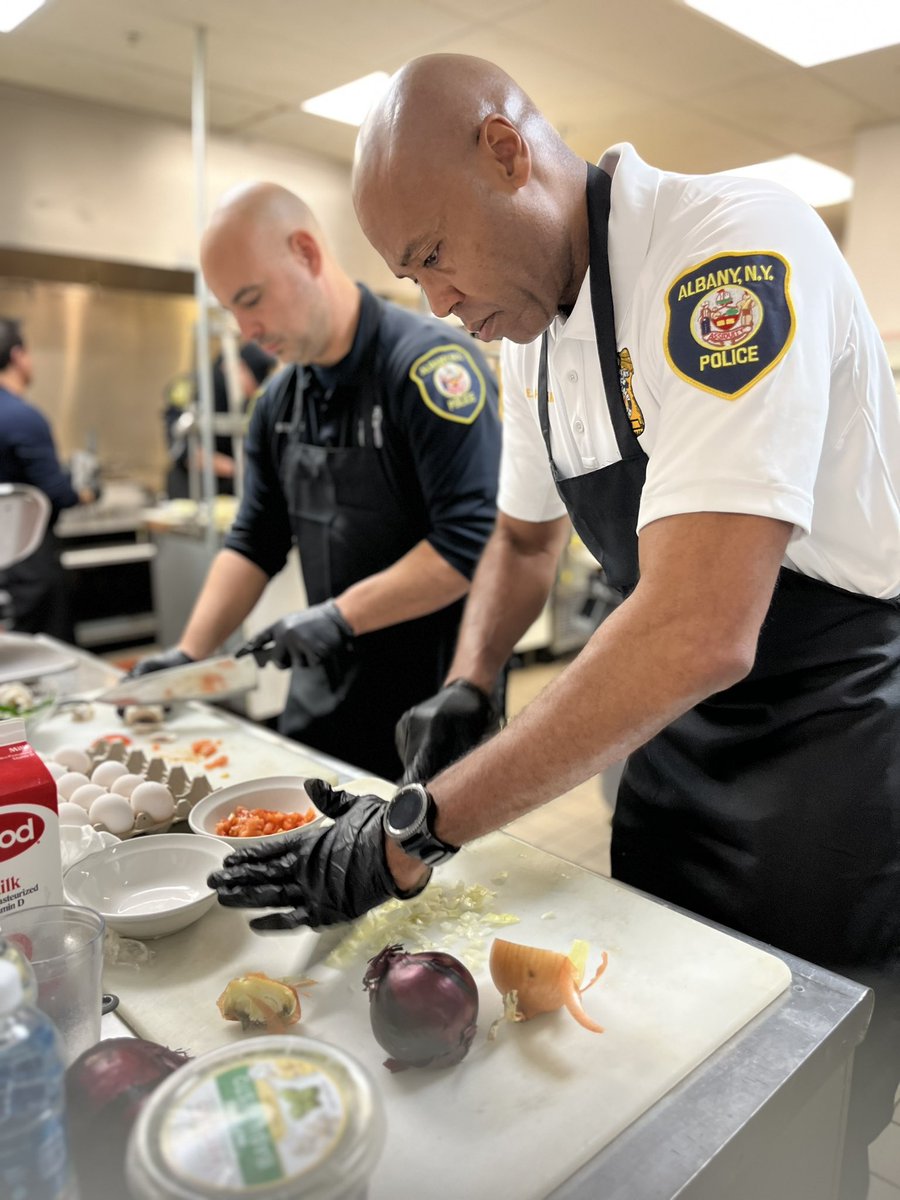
[[254, 367], [376, 452], [37, 586]]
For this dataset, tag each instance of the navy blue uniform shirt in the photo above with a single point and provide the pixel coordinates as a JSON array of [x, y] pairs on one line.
[[438, 431], [27, 453]]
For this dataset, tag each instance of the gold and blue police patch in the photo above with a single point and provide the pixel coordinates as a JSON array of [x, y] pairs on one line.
[[729, 321], [450, 382]]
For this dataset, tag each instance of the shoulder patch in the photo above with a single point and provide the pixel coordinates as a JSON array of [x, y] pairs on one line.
[[450, 382], [729, 321]]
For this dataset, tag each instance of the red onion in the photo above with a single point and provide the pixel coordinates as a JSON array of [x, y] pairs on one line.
[[423, 1007], [105, 1089]]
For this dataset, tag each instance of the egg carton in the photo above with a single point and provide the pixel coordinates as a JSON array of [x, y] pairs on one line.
[[186, 790]]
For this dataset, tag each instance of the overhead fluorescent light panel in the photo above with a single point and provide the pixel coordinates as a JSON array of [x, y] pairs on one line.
[[350, 102], [818, 184], [14, 12], [810, 32]]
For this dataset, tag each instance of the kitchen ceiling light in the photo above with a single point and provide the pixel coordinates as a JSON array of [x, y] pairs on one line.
[[816, 183], [350, 102], [809, 32], [14, 12]]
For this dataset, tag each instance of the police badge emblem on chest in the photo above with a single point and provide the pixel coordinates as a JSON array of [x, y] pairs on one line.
[[729, 321]]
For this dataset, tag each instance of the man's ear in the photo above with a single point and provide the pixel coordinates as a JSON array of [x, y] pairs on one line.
[[306, 250], [507, 149]]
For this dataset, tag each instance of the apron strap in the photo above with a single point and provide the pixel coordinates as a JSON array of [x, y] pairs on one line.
[[599, 185]]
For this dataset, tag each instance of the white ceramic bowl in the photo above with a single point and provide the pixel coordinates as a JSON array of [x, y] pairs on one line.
[[148, 887], [280, 793]]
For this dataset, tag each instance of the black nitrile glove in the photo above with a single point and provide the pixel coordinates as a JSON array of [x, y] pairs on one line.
[[324, 875], [443, 728], [173, 657], [317, 636]]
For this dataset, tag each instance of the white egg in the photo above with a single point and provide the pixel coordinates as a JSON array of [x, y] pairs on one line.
[[73, 759], [106, 773], [87, 794], [67, 784], [125, 785], [154, 799], [57, 770], [72, 814], [112, 811]]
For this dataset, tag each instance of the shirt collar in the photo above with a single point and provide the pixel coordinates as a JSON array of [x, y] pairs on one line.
[[632, 206], [330, 377], [632, 209]]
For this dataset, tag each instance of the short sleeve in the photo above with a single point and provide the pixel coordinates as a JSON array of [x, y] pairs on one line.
[[449, 401], [740, 341]]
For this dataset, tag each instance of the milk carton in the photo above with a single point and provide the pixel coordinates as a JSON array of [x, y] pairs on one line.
[[30, 861]]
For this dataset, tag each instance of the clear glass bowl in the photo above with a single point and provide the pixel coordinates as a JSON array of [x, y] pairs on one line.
[[33, 700]]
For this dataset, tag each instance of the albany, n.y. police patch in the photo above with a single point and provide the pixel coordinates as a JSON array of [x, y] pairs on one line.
[[729, 320], [450, 382]]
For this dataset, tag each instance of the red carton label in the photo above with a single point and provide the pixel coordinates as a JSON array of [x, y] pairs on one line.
[[29, 826], [19, 831]]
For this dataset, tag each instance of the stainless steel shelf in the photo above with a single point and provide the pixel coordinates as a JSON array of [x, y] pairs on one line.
[[106, 556]]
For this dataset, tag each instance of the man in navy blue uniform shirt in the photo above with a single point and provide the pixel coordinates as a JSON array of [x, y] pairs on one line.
[[27, 455], [378, 457]]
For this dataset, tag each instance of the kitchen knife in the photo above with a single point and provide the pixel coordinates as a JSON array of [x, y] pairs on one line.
[[208, 679]]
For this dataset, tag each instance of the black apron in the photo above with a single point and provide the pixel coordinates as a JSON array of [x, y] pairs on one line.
[[350, 521], [774, 806]]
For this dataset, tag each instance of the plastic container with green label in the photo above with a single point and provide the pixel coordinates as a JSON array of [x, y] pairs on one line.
[[276, 1118]]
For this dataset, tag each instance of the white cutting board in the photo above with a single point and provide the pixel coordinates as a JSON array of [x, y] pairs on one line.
[[520, 1114], [252, 751]]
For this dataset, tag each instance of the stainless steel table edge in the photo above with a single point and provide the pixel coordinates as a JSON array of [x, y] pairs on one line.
[[702, 1133]]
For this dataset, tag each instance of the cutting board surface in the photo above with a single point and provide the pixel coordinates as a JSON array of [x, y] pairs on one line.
[[250, 752], [521, 1113]]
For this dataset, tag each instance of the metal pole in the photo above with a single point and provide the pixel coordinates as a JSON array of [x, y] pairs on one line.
[[204, 369]]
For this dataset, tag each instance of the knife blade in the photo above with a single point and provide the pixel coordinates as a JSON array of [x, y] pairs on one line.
[[208, 679]]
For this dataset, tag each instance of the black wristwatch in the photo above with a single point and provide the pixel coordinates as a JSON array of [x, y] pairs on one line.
[[408, 820]]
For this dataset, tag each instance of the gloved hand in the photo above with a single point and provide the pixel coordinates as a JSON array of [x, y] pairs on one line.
[[173, 657], [324, 875], [317, 636], [443, 728]]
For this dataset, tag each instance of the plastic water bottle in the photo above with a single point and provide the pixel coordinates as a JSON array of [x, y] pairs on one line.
[[34, 1162]]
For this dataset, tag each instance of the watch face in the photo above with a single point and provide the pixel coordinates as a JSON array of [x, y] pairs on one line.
[[406, 809]]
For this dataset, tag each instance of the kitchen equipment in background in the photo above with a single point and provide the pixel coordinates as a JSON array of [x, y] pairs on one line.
[[107, 558], [25, 657], [24, 513]]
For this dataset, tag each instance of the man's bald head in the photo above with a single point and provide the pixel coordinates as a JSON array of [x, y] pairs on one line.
[[431, 114], [265, 214], [265, 259], [457, 155]]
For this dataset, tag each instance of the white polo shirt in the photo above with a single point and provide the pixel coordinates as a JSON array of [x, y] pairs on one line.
[[759, 380]]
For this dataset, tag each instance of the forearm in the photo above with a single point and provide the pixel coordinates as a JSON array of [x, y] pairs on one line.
[[232, 588], [419, 583], [511, 586], [687, 631]]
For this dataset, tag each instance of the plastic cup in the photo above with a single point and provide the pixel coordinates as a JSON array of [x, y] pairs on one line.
[[65, 946]]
